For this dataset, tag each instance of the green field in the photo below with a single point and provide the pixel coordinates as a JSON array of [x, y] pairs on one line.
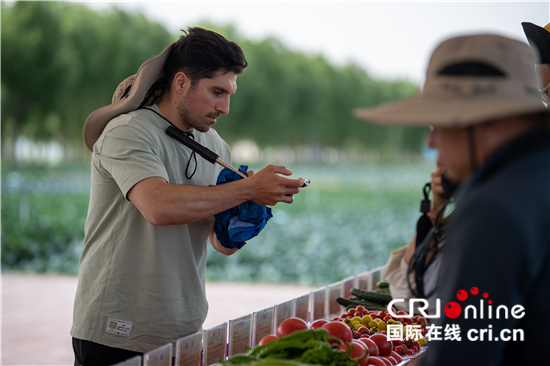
[[347, 221]]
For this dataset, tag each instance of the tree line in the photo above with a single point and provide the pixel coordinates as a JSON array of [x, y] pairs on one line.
[[61, 61]]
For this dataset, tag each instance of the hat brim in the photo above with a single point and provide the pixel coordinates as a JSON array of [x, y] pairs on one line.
[[149, 72], [539, 39], [420, 111]]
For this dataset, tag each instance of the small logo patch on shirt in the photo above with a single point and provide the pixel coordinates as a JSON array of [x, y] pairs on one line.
[[119, 327]]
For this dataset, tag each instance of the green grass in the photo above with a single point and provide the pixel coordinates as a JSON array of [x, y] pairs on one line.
[[347, 221]]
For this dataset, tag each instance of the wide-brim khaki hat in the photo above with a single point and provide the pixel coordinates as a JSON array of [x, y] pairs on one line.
[[470, 79], [129, 96]]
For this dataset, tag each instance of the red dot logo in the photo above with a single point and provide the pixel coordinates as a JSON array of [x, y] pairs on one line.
[[462, 295], [490, 301], [453, 310], [474, 291], [485, 295]]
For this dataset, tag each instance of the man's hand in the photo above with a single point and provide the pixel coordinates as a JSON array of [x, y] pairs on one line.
[[213, 239], [267, 187], [162, 203]]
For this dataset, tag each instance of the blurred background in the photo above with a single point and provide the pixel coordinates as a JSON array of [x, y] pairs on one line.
[[311, 63]]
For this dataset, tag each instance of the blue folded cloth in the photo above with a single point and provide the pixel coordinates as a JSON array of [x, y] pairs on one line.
[[243, 222]]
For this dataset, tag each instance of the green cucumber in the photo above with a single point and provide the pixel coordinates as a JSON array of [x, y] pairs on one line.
[[372, 296]]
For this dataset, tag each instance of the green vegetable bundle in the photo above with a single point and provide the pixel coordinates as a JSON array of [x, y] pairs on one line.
[[371, 300], [307, 347]]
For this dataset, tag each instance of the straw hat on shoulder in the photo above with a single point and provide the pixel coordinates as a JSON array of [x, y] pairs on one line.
[[470, 79], [130, 94]]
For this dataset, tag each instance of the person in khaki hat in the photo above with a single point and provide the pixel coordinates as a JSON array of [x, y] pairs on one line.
[[142, 271], [491, 130], [539, 40]]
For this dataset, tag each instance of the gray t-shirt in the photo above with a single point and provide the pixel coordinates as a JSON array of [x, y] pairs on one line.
[[141, 286]]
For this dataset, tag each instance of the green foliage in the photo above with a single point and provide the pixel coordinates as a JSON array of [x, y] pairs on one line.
[[346, 222], [289, 98], [43, 231], [61, 61]]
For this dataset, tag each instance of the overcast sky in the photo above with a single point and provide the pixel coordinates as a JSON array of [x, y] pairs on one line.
[[389, 39]]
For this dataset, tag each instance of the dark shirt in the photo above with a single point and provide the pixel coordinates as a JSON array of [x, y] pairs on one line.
[[499, 242]]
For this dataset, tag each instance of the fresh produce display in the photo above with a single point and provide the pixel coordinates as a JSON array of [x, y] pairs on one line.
[[373, 300], [356, 338], [370, 326], [306, 347]]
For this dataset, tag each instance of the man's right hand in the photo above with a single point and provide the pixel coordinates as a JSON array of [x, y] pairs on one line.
[[268, 187]]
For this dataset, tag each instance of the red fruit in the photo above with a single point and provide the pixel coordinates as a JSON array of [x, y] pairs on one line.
[[400, 350], [371, 345], [320, 322], [378, 361], [356, 350], [396, 342], [409, 352], [338, 330], [267, 339], [290, 326], [384, 346], [392, 360], [397, 357], [364, 353]]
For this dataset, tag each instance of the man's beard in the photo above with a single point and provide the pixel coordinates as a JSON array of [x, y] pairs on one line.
[[193, 118]]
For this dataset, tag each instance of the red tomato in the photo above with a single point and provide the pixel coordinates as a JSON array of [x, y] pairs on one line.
[[364, 361], [392, 360], [357, 351], [378, 361], [384, 346], [291, 325], [319, 323], [396, 342], [338, 330], [397, 357], [373, 348], [268, 338], [360, 308], [400, 350]]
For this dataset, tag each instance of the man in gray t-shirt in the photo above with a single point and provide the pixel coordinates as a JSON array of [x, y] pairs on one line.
[[152, 201]]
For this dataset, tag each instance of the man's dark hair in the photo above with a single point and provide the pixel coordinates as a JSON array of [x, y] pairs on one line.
[[200, 53]]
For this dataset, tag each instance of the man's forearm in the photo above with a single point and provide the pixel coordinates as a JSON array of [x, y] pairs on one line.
[[162, 203]]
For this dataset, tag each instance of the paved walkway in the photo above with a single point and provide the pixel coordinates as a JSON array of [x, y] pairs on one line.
[[37, 313]]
